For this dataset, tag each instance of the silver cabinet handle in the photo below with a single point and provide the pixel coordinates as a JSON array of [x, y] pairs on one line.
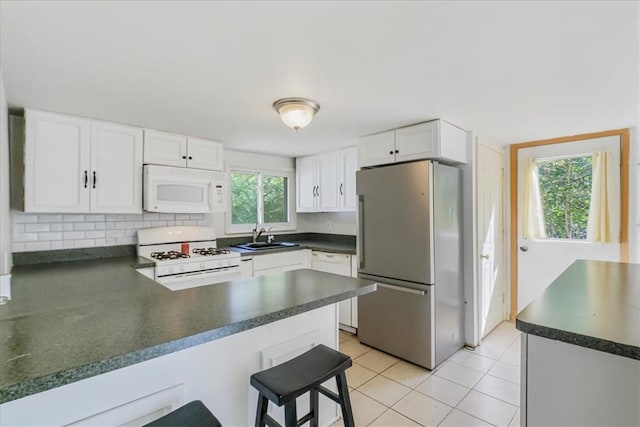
[[484, 256], [361, 229], [524, 248]]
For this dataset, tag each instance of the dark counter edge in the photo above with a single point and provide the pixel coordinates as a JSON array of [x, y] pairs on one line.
[[58, 379], [585, 341]]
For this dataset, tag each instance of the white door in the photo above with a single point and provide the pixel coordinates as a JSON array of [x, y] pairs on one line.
[[204, 154], [306, 184], [378, 149], [56, 163], [347, 188], [491, 275], [328, 190], [540, 261], [167, 149], [116, 168]]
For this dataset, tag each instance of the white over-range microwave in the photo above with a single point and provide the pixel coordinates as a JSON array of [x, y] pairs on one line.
[[181, 190]]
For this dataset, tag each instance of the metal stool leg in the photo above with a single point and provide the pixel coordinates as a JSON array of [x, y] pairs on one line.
[[263, 405], [343, 392], [290, 414]]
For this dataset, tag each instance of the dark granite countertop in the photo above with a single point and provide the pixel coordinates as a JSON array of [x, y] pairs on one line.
[[72, 320], [592, 304]]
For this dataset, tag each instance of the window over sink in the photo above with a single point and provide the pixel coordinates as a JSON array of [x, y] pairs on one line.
[[260, 196]]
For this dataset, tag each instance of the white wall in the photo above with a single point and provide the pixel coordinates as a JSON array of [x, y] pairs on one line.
[[328, 222], [5, 224], [634, 196]]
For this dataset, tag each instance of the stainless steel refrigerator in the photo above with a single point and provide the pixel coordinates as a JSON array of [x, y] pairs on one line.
[[410, 242]]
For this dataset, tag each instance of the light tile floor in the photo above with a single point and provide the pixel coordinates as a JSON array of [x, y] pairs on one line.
[[472, 388]]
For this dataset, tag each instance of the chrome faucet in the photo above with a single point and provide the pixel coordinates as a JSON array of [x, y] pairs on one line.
[[257, 233], [270, 237]]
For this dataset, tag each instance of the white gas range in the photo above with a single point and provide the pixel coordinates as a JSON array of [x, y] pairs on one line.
[[187, 257]]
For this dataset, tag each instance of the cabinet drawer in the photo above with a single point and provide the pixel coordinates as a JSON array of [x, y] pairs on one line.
[[299, 259]]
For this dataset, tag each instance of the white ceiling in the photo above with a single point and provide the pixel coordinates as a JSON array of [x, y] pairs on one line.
[[510, 71]]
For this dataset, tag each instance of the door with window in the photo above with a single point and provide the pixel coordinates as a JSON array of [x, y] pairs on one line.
[[568, 208]]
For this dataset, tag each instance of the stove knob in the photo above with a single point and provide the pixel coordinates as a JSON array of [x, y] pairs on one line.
[[170, 269], [182, 268], [229, 262], [202, 265], [220, 264]]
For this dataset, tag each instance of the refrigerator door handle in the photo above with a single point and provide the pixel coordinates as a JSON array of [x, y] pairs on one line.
[[361, 229], [402, 289]]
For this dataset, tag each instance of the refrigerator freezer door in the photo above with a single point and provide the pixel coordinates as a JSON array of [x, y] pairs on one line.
[[399, 320], [395, 222]]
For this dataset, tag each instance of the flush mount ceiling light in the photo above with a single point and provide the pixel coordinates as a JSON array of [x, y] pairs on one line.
[[296, 112]]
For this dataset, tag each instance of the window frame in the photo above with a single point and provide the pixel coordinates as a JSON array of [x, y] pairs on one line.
[[231, 228]]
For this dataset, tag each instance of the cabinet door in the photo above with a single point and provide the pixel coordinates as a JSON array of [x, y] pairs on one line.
[[56, 157], [116, 168], [306, 184], [349, 165], [162, 148], [204, 154], [328, 190], [378, 149], [417, 142]]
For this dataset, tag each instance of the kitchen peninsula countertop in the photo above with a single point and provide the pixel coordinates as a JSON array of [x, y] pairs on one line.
[[592, 304], [69, 321]]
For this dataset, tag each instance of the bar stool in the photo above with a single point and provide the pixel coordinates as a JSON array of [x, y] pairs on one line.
[[283, 384], [193, 414]]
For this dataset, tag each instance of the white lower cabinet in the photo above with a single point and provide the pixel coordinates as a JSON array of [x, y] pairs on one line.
[[337, 264], [281, 261], [246, 267]]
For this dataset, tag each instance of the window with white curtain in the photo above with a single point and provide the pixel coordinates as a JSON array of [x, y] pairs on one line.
[[570, 198]]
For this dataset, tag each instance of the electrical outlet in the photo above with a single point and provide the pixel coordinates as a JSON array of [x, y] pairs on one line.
[[328, 225]]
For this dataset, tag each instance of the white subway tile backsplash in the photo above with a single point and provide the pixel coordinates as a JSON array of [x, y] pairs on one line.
[[73, 235], [25, 237], [36, 246], [34, 228], [49, 218], [50, 236], [95, 234], [84, 243], [20, 217], [84, 226], [32, 232], [115, 233]]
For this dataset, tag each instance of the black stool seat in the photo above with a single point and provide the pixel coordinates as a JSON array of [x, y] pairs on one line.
[[193, 414], [282, 384]]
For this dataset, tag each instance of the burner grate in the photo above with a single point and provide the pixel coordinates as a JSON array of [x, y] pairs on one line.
[[169, 255], [210, 251]]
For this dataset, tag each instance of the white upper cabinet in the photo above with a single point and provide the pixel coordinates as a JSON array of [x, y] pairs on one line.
[[378, 149], [306, 184], [435, 139], [328, 186], [161, 148], [326, 182], [204, 154], [116, 168], [347, 187], [57, 163], [167, 149], [78, 165]]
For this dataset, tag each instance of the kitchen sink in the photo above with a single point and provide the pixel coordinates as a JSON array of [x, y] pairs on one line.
[[265, 245]]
